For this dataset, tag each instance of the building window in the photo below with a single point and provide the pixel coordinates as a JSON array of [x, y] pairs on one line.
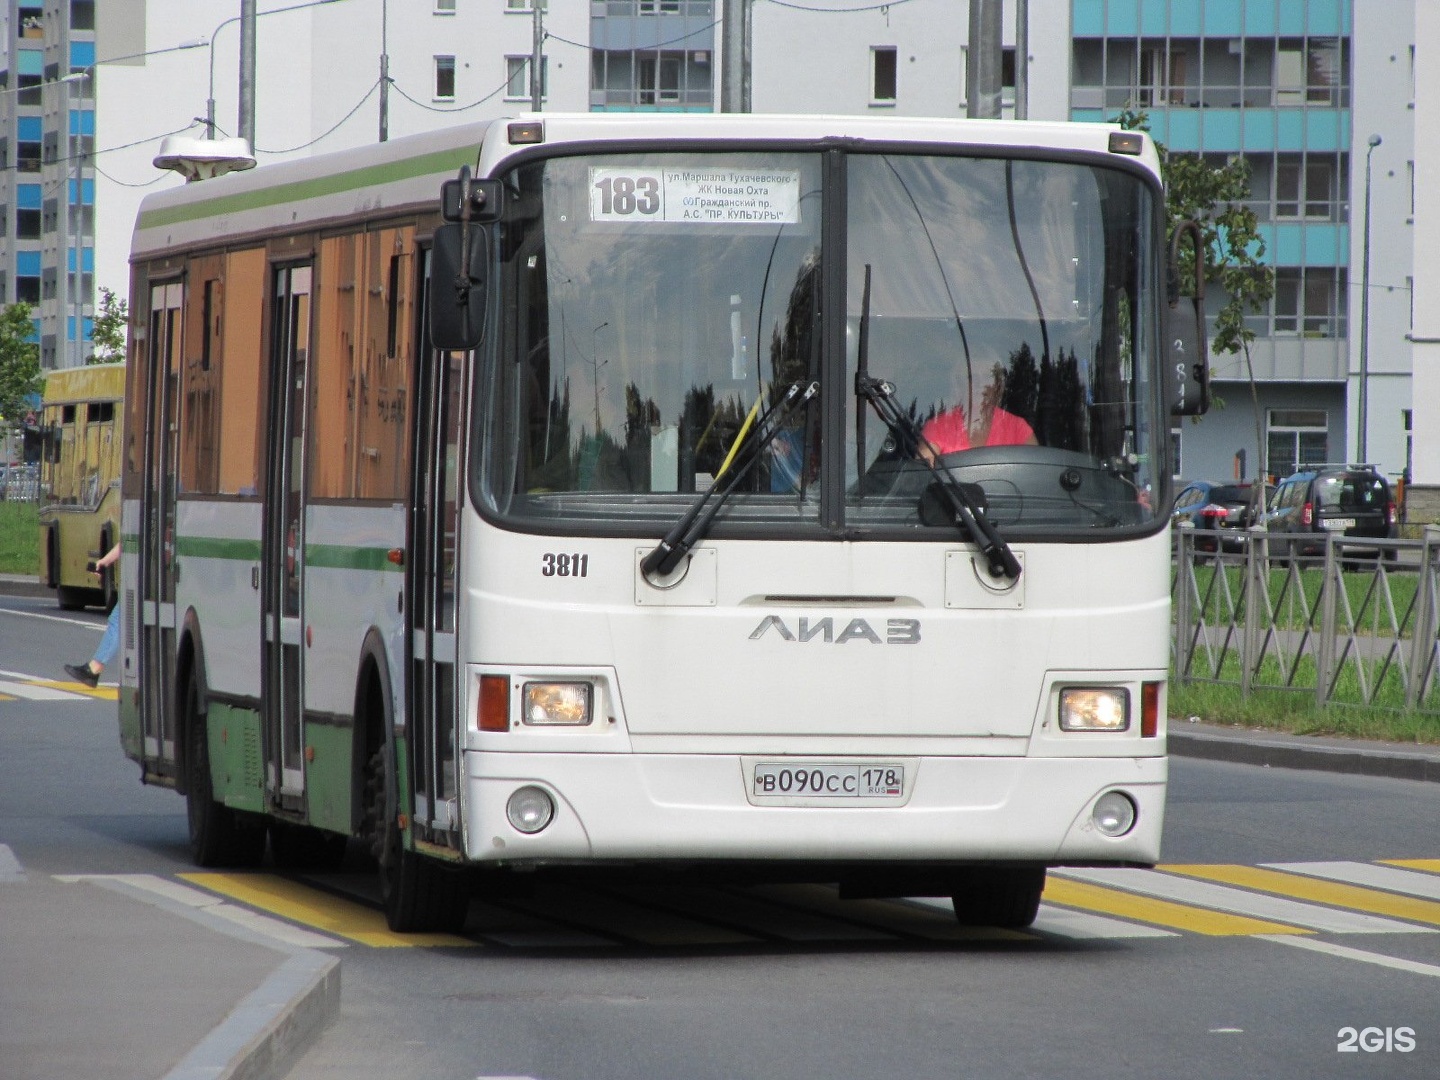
[[1309, 71], [658, 79], [885, 72], [82, 14], [28, 145], [517, 77], [1305, 187], [1310, 301], [1296, 437], [445, 78], [444, 7], [525, 5]]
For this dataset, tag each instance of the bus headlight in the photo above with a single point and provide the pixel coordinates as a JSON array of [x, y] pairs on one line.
[[530, 809], [1113, 813], [1094, 708], [557, 703]]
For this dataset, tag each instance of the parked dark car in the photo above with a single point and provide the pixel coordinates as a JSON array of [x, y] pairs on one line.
[[1219, 512], [1352, 500]]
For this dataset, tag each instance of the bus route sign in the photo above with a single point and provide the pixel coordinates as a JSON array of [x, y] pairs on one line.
[[699, 196]]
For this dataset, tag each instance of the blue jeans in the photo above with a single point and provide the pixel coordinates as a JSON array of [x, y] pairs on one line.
[[110, 643]]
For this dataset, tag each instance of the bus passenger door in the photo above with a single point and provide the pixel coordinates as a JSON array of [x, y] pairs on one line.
[[283, 537], [436, 486], [156, 587]]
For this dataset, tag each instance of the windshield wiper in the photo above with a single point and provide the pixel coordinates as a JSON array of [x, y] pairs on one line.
[[881, 396], [695, 522]]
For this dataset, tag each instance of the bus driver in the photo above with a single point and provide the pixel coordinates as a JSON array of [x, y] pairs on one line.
[[991, 425]]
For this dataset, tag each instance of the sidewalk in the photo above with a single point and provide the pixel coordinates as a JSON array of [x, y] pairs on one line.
[[1399, 761], [102, 979]]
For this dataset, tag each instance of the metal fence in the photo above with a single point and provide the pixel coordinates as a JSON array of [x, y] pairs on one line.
[[1357, 625]]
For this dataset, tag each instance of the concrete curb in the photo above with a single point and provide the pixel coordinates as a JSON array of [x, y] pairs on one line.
[[1293, 752], [21, 585], [269, 1030]]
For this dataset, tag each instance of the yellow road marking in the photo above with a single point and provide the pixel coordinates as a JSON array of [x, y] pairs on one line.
[[1335, 894], [1432, 865], [1147, 909], [311, 907], [104, 693]]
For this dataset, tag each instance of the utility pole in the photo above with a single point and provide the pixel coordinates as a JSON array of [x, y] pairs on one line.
[[384, 71], [245, 126], [1022, 59], [537, 55], [982, 70], [735, 41]]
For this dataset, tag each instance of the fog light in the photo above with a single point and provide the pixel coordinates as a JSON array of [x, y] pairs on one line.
[[530, 809], [557, 703], [1094, 708], [1114, 813]]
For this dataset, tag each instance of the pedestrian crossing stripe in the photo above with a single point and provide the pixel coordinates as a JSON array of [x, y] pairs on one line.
[[1336, 894], [1430, 865], [1148, 909]]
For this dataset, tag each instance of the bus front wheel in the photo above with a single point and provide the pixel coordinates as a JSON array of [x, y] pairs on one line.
[[417, 893], [1003, 896]]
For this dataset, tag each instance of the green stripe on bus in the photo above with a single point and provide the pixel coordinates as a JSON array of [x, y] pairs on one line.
[[329, 556], [209, 547], [369, 176], [338, 557]]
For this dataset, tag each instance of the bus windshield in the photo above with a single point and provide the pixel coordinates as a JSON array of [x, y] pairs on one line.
[[664, 303]]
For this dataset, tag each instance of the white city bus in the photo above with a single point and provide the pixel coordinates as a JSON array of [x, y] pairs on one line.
[[612, 510]]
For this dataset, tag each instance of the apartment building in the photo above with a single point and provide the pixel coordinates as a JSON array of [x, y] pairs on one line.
[[1297, 88], [47, 190]]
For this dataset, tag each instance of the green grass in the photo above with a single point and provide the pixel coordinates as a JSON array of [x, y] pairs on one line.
[[1296, 712], [1285, 700], [1296, 599], [19, 538]]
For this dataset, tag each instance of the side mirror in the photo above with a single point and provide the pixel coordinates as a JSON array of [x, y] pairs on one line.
[[458, 265], [486, 199], [1187, 362]]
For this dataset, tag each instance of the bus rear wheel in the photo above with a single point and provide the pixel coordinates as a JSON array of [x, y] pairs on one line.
[[218, 837], [416, 893], [1003, 896]]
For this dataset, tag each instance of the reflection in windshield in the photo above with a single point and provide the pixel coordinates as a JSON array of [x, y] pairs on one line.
[[648, 336], [1012, 321], [658, 300]]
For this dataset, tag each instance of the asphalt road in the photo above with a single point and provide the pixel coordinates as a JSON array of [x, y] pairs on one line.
[[1276, 925]]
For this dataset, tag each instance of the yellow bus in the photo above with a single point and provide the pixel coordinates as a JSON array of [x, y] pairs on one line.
[[80, 481]]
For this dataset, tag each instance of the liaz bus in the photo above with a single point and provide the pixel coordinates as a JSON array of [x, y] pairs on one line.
[[588, 491], [81, 419]]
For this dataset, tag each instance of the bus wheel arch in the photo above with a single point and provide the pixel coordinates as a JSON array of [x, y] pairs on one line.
[[417, 893], [218, 835]]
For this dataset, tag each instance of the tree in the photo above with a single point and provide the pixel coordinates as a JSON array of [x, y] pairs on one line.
[[108, 336], [1212, 196], [19, 361]]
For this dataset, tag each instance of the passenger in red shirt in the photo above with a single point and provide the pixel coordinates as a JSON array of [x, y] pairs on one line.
[[992, 426]]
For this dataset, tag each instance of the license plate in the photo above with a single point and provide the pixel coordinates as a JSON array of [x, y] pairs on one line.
[[1336, 524], [828, 780]]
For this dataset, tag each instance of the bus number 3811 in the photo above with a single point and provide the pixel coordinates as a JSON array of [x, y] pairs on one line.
[[564, 564]]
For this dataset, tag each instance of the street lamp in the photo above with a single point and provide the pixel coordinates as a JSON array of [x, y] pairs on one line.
[[1361, 454]]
